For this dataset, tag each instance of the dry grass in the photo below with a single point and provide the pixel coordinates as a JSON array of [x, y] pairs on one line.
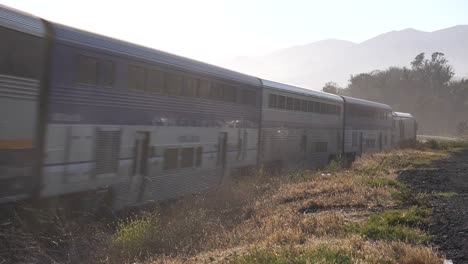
[[298, 217], [300, 213]]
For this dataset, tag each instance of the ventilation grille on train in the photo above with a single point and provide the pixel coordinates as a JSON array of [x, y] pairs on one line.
[[107, 152]]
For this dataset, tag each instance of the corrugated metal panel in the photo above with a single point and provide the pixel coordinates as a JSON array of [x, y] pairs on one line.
[[80, 37], [20, 21], [107, 151], [18, 88], [366, 103], [168, 186], [182, 182], [302, 91]]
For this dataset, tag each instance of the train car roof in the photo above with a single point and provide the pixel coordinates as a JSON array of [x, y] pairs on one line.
[[366, 103], [20, 21], [302, 91], [82, 37], [401, 114]]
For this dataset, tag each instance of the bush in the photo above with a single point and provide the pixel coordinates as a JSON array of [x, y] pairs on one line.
[[136, 237], [395, 225], [445, 194], [322, 254], [385, 182], [333, 166]]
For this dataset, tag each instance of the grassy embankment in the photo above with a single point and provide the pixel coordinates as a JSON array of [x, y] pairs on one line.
[[361, 214]]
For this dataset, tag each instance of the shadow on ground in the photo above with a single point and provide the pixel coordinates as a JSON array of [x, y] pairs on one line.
[[447, 181]]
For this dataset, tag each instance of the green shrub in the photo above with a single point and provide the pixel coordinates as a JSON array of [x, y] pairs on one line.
[[406, 196], [394, 225], [445, 194], [136, 236], [413, 216], [384, 182], [322, 254], [379, 231], [333, 166]]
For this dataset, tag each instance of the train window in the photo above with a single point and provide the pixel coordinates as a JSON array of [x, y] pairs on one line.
[[87, 70], [281, 102], [248, 97], [190, 87], [230, 93], [310, 106], [289, 103], [171, 159], [272, 98], [155, 82], [173, 84], [322, 108], [186, 158], [204, 89], [303, 105], [107, 73], [321, 146], [21, 54], [334, 110], [338, 110], [297, 104], [198, 156], [216, 92], [316, 107], [136, 78]]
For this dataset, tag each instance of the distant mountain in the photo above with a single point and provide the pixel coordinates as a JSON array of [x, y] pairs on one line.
[[314, 64]]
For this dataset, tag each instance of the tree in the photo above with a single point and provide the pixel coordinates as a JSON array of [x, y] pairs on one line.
[[425, 89], [436, 73], [418, 61], [331, 87]]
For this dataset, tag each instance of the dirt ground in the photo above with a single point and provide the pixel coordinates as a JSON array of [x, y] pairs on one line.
[[449, 223]]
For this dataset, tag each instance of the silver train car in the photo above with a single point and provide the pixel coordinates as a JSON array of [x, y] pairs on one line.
[[404, 127], [300, 127], [80, 113], [85, 112], [367, 126]]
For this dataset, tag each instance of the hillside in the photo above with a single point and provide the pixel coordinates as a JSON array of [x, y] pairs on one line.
[[316, 63]]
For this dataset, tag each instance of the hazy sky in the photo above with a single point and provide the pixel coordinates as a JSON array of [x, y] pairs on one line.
[[216, 30]]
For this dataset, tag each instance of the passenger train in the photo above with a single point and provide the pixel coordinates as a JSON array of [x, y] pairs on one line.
[[82, 112]]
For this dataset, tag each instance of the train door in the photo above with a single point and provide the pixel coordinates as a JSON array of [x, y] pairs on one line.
[[140, 167], [222, 152]]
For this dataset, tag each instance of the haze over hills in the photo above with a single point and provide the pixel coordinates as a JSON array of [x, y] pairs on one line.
[[314, 64]]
